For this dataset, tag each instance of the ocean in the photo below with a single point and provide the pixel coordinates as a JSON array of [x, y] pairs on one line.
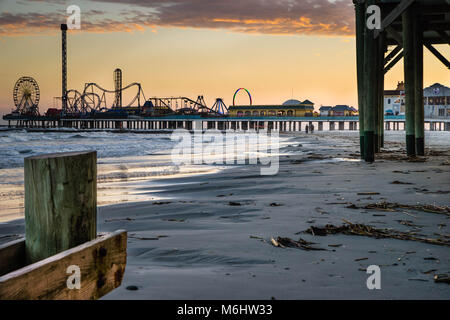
[[125, 162]]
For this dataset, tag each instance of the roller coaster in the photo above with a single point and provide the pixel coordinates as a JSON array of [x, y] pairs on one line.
[[186, 106], [93, 98]]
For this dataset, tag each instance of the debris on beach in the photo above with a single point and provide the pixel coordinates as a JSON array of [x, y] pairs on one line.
[[175, 220], [393, 206], [364, 230], [314, 156], [431, 259], [274, 204], [429, 271], [147, 238], [288, 242], [426, 191], [119, 219], [161, 202], [361, 259], [232, 203], [368, 193], [256, 237], [408, 223], [402, 172], [132, 288], [400, 182], [320, 210], [441, 278]]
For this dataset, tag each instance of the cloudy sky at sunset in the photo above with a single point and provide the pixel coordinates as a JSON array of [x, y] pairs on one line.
[[277, 49]]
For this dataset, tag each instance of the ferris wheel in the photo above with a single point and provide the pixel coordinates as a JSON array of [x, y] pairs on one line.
[[26, 96]]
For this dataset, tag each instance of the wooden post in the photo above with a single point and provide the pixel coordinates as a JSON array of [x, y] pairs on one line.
[[376, 85], [380, 72], [60, 202], [419, 115], [360, 25], [409, 70], [369, 92]]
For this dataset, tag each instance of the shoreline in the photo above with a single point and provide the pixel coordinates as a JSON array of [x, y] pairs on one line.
[[210, 237]]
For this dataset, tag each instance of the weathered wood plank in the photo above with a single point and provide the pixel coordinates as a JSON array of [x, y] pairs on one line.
[[12, 256], [101, 261], [60, 202]]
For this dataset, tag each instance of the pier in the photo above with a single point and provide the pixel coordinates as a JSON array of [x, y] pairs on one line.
[[280, 124], [406, 26]]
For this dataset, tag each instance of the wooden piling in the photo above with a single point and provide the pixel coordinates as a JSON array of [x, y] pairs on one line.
[[409, 70], [380, 76], [369, 92], [376, 85], [60, 202], [360, 25], [419, 115]]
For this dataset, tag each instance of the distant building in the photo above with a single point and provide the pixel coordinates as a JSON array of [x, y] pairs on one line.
[[394, 100], [290, 108], [338, 111], [325, 111], [343, 111], [436, 100]]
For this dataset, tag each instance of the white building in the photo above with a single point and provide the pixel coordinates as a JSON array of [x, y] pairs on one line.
[[436, 100], [394, 100]]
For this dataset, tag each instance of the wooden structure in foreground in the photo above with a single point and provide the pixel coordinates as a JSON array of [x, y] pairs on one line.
[[407, 26], [101, 261], [61, 256]]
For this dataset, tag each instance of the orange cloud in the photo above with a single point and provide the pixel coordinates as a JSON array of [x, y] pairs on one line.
[[320, 17]]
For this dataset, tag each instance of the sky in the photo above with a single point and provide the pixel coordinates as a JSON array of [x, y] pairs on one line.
[[277, 49]]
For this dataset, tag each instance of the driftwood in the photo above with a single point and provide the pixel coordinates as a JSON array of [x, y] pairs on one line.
[[368, 231], [442, 278], [101, 261], [392, 206], [287, 242]]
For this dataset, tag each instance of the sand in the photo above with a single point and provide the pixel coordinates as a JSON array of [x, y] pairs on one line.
[[195, 244]]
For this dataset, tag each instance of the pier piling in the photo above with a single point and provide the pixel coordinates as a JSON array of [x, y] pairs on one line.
[[409, 71]]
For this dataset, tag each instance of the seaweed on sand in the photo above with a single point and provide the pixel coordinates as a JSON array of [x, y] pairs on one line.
[[364, 230], [393, 206], [288, 242]]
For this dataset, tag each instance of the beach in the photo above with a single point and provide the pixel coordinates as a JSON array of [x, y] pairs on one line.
[[205, 232]]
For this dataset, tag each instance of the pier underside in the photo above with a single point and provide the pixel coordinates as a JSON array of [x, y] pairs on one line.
[[406, 27]]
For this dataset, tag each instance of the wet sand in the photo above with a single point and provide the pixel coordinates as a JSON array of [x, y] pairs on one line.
[[209, 238]]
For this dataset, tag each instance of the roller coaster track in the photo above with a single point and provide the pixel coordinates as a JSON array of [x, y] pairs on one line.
[[182, 105], [89, 88]]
